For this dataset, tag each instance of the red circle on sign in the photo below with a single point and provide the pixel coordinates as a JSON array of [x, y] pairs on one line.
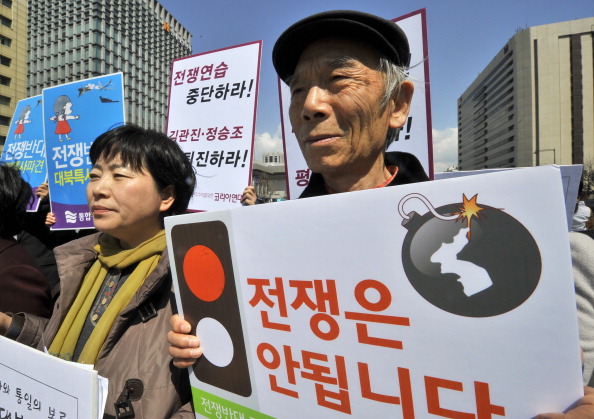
[[204, 273]]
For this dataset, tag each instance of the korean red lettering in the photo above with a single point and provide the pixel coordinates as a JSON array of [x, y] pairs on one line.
[[223, 133], [206, 72], [211, 133], [326, 299], [183, 135], [193, 74], [274, 364], [485, 409], [383, 303], [179, 77], [260, 295], [221, 70], [237, 132], [302, 177], [333, 327], [405, 400], [195, 134], [173, 134]]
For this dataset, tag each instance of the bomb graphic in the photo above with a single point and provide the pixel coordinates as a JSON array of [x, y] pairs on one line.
[[469, 259]]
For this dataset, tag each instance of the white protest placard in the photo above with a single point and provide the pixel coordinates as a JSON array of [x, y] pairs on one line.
[[451, 298], [416, 136], [36, 385], [212, 115]]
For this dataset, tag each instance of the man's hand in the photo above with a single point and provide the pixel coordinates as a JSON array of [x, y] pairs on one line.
[[249, 196], [583, 410], [184, 348]]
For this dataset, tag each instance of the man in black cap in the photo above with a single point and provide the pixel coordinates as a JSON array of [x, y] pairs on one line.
[[349, 99]]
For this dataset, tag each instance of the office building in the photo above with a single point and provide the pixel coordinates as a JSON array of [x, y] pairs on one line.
[[534, 102], [269, 177], [13, 60], [73, 40]]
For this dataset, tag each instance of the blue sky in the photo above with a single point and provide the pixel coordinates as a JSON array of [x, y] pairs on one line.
[[464, 35]]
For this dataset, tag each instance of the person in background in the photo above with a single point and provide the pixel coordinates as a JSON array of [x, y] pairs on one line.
[[24, 287], [582, 217], [116, 292], [40, 241], [349, 99]]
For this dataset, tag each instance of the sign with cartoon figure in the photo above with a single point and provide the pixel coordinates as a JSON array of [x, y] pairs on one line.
[[212, 115], [74, 115], [25, 145], [415, 136], [438, 299]]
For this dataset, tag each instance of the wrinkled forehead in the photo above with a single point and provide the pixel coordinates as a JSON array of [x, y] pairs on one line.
[[336, 52]]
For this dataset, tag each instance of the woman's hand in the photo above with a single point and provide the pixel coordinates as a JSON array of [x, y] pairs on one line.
[[50, 219]]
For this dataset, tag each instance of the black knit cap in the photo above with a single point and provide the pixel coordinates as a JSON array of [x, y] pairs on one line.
[[387, 37]]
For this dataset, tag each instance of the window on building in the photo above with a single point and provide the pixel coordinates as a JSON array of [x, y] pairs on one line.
[[5, 81], [4, 100], [7, 3], [6, 21], [4, 61], [4, 120], [5, 41]]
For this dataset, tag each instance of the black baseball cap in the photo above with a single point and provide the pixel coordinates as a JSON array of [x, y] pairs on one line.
[[386, 36]]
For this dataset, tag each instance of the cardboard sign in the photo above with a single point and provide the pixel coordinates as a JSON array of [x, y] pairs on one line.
[[74, 114], [25, 145], [451, 298], [35, 385], [416, 136], [212, 115]]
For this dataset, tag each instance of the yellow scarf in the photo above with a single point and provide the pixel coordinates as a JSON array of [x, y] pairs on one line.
[[110, 255]]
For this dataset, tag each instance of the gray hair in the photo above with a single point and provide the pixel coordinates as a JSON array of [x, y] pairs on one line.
[[394, 75]]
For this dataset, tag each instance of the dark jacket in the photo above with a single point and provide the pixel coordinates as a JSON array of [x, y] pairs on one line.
[[410, 170], [23, 285], [135, 348]]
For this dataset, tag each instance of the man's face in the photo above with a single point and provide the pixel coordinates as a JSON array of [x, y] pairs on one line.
[[335, 112]]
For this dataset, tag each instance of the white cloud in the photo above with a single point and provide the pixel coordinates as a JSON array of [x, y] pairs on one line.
[[267, 142], [445, 148]]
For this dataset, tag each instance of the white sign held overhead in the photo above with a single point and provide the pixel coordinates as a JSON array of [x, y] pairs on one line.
[[212, 115]]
